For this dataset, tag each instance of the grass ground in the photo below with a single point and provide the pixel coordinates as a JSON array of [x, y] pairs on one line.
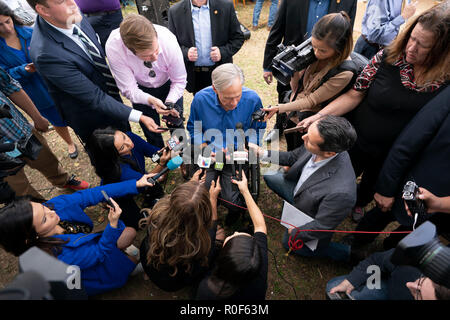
[[308, 276]]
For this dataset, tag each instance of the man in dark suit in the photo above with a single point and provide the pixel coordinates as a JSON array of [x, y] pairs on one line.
[[65, 51], [209, 34], [293, 25], [320, 182]]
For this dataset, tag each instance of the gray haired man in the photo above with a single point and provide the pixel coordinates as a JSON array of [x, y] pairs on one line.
[[320, 182], [214, 111]]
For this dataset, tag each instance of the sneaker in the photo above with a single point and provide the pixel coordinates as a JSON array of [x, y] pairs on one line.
[[75, 184]]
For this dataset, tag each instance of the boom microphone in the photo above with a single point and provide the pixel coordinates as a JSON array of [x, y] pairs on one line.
[[171, 165]]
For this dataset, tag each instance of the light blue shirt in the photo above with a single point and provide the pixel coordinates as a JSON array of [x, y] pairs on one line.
[[317, 9], [202, 31], [382, 21], [309, 168]]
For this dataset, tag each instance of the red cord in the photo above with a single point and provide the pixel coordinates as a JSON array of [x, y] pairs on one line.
[[298, 244]]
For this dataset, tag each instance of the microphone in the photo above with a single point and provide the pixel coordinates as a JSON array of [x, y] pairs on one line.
[[240, 156], [171, 165]]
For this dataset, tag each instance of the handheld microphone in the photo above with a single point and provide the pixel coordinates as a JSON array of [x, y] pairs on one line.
[[241, 149], [171, 165]]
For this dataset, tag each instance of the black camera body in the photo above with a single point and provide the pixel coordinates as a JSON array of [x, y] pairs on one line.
[[423, 250], [259, 115], [411, 196], [291, 59]]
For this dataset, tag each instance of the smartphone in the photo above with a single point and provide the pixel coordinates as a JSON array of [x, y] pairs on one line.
[[294, 129], [107, 199], [339, 296]]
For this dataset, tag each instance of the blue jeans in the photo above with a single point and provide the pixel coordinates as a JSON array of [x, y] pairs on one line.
[[282, 187], [362, 47], [335, 250], [362, 292], [272, 12]]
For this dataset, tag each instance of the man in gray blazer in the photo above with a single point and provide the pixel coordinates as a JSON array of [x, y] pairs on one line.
[[320, 182]]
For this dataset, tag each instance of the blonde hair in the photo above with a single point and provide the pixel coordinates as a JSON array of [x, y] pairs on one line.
[[137, 32], [437, 21]]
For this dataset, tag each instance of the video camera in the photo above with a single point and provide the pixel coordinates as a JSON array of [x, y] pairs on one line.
[[423, 250], [417, 206], [291, 59]]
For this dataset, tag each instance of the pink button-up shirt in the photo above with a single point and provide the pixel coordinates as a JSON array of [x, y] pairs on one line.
[[129, 71]]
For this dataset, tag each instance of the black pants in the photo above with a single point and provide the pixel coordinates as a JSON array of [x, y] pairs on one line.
[[202, 80], [281, 117], [230, 192], [103, 25], [294, 139], [160, 93], [369, 164]]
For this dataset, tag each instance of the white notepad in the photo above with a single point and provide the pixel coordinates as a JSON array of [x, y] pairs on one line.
[[297, 218]]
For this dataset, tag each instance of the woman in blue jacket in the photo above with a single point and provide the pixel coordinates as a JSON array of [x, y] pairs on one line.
[[15, 41], [119, 156], [61, 227]]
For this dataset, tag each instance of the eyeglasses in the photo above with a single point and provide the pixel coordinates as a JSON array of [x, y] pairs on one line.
[[419, 287], [152, 73]]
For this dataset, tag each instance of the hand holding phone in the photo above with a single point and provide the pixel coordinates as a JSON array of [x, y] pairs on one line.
[[108, 199]]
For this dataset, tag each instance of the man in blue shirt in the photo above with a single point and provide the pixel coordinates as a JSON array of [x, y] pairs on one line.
[[381, 23], [30, 146], [216, 111]]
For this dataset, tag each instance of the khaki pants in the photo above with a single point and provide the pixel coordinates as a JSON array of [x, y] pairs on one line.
[[46, 163]]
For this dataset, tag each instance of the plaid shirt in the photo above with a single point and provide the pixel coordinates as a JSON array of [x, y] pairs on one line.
[[16, 129]]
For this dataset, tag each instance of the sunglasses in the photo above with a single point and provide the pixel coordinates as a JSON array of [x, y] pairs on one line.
[[152, 73]]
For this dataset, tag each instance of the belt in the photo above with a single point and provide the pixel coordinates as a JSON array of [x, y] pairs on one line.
[[203, 69], [100, 13], [373, 44]]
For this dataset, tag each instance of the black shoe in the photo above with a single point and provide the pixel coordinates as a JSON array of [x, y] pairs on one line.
[[74, 154]]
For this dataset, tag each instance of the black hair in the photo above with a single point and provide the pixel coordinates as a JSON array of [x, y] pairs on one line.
[[6, 11], [17, 233], [336, 30], [104, 156], [337, 133], [237, 265]]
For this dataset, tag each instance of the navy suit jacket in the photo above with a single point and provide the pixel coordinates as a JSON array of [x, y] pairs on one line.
[[75, 84]]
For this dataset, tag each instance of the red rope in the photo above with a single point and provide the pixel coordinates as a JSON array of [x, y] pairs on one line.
[[298, 244]]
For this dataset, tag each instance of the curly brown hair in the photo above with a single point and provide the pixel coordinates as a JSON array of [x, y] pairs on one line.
[[437, 21], [178, 228]]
